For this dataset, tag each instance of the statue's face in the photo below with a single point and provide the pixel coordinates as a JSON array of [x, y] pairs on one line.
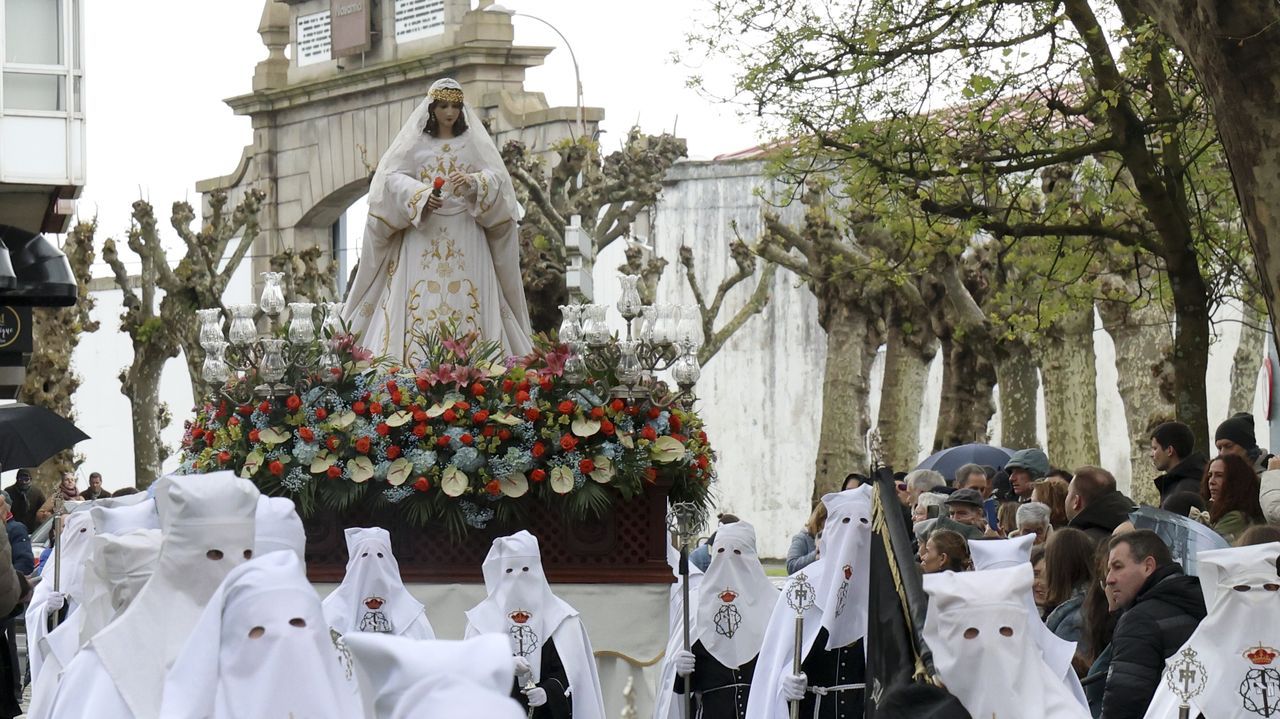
[[447, 112]]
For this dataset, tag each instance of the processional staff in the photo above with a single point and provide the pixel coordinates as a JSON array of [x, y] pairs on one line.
[[59, 509], [685, 522], [800, 599]]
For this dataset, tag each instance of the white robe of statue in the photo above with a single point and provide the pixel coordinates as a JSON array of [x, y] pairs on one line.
[[460, 263]]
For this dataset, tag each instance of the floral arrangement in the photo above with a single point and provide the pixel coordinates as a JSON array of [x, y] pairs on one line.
[[462, 439]]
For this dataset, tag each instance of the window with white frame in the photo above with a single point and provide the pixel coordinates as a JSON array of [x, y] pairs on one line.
[[43, 72]]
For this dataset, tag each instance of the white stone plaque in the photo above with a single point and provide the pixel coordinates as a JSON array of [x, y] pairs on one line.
[[314, 43], [418, 18]]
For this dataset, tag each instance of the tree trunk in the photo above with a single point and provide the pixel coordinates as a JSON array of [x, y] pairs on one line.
[[1233, 47], [1190, 344], [906, 374], [1016, 375], [1069, 373], [141, 384], [845, 389], [967, 405], [1144, 344], [1248, 360]]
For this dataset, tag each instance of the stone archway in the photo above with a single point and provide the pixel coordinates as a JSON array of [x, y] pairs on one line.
[[320, 128]]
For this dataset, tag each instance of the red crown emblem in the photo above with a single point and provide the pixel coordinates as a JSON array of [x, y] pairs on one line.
[[848, 572], [374, 602], [520, 616], [1260, 655], [728, 595]]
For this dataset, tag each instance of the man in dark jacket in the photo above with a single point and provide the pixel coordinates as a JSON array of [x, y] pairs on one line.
[[1161, 608], [1094, 505], [23, 560], [26, 499], [1173, 453], [1235, 436]]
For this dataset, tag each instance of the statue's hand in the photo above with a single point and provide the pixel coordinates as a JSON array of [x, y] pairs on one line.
[[433, 204], [463, 185]]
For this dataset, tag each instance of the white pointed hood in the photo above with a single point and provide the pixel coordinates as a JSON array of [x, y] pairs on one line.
[[372, 597], [840, 583], [277, 527], [120, 567], [1237, 646], [390, 668], [122, 518], [981, 637], [261, 649], [207, 522], [77, 533], [733, 610], [1001, 553]]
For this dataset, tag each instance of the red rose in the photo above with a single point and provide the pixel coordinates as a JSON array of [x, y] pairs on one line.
[[480, 416], [375, 408], [253, 436], [586, 466], [650, 475], [333, 443], [508, 385], [391, 385], [539, 449], [632, 410], [393, 451], [306, 434], [606, 426], [675, 422], [654, 412], [224, 457], [522, 397], [566, 407], [437, 183], [504, 434], [538, 475], [617, 405], [532, 414], [449, 416], [382, 429], [462, 406], [264, 407], [294, 403], [420, 430], [422, 484], [702, 436], [466, 439], [276, 467], [597, 412], [523, 386], [477, 390], [334, 471], [568, 442], [442, 441], [233, 422], [648, 433], [679, 437], [363, 445], [396, 397], [493, 488], [245, 409], [545, 384], [419, 415], [487, 431], [702, 461], [321, 413], [209, 436], [422, 383], [358, 407]]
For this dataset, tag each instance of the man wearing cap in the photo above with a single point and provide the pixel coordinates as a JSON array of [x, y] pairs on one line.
[[1235, 436], [1024, 468], [965, 506]]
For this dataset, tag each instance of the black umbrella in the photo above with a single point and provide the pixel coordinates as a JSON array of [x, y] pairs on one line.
[[29, 435], [947, 461]]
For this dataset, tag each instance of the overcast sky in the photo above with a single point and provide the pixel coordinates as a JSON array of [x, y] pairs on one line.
[[157, 72]]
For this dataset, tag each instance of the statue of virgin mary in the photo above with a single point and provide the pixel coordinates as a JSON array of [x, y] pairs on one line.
[[441, 241]]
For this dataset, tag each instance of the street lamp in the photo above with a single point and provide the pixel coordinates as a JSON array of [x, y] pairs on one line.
[[577, 75]]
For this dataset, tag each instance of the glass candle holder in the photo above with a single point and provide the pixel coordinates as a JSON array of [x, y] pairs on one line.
[[214, 370], [629, 304], [210, 326], [302, 329], [272, 366], [243, 329], [272, 299]]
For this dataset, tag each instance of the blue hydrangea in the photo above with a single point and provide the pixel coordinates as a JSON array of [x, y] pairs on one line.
[[526, 433], [662, 424], [295, 479], [611, 450], [627, 423], [259, 419], [305, 452], [468, 459], [474, 515], [423, 459], [395, 495], [380, 469]]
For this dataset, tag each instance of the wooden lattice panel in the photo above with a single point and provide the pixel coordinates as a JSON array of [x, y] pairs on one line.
[[627, 545]]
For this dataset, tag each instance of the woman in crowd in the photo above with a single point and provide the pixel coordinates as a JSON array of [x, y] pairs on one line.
[[804, 545], [1259, 534], [945, 551], [1068, 565], [1231, 488], [1093, 654], [1053, 492], [1007, 513], [1038, 583]]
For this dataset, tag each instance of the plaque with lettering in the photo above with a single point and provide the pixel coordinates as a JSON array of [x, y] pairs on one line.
[[313, 44], [418, 18]]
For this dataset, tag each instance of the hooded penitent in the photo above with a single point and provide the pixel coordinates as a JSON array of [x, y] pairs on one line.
[[391, 671], [984, 649], [1230, 667], [277, 527], [262, 649], [521, 605], [207, 522], [372, 597], [77, 534], [991, 554], [838, 582]]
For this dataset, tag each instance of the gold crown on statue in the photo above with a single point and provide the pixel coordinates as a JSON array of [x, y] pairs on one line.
[[447, 94]]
